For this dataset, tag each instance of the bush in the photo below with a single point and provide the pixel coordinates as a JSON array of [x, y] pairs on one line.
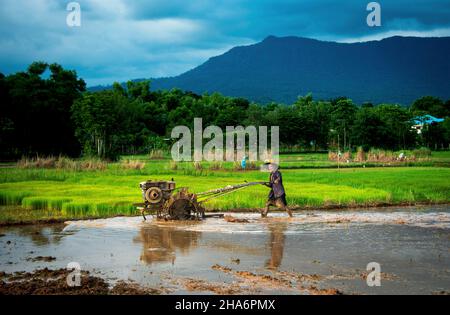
[[38, 162], [360, 155], [376, 155], [93, 164], [66, 163], [62, 162], [333, 156]]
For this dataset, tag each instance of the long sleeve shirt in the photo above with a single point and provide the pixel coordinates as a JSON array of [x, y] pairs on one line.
[[276, 183]]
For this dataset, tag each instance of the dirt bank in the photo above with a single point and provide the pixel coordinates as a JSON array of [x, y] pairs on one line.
[[341, 207], [330, 207], [53, 282]]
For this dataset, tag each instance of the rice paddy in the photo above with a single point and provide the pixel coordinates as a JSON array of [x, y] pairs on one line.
[[29, 194]]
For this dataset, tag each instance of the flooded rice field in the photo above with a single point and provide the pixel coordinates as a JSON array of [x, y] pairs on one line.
[[316, 252]]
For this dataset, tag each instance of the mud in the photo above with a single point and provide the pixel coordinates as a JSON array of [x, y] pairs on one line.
[[316, 252], [303, 283], [42, 258], [32, 222], [54, 282], [198, 285], [50, 282], [296, 208], [355, 206], [127, 288], [232, 219], [441, 293]]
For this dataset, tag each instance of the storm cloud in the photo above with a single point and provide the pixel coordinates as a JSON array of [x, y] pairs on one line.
[[126, 39]]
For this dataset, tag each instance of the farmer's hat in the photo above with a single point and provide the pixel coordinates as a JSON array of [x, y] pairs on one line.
[[270, 162]]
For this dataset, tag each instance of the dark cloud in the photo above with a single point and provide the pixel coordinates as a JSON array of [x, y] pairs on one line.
[[124, 39]]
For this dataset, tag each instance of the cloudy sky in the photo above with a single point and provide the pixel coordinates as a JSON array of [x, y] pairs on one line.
[[125, 39]]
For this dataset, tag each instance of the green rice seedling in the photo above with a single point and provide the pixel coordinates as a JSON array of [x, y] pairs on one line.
[[68, 193], [198, 166], [115, 208], [12, 197], [35, 203], [194, 172], [237, 166], [173, 165], [251, 165], [56, 203], [79, 209]]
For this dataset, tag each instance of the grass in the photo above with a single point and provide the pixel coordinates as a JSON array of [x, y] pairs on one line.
[[28, 194]]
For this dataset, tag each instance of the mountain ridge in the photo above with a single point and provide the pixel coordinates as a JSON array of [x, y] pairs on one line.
[[395, 69]]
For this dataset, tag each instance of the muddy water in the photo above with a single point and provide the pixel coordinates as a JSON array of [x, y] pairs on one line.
[[313, 250]]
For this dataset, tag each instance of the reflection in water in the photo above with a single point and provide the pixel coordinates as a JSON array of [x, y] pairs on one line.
[[41, 235], [161, 242], [414, 245], [276, 244]]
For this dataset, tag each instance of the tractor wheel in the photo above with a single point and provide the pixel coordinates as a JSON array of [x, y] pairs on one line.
[[183, 208], [180, 209]]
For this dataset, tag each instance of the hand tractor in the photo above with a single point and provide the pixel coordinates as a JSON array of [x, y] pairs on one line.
[[171, 203]]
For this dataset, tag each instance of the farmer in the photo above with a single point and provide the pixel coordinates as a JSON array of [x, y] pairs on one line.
[[277, 195]]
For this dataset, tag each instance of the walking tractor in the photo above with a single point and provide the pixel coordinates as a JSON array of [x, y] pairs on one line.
[[171, 203]]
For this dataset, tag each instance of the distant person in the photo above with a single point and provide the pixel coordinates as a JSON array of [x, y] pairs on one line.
[[244, 162], [277, 195]]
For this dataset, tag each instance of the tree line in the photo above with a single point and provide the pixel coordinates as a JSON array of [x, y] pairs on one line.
[[46, 110]]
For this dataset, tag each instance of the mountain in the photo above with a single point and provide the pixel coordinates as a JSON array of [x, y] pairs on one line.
[[396, 70]]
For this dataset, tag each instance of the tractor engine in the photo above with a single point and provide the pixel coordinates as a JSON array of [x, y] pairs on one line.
[[159, 196], [156, 193]]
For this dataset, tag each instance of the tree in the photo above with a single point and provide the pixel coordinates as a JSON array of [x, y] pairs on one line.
[[36, 111], [315, 117], [342, 116], [368, 129], [430, 105], [396, 132]]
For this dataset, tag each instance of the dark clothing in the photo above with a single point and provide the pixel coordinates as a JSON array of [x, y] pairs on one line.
[[277, 195], [274, 201], [276, 183]]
